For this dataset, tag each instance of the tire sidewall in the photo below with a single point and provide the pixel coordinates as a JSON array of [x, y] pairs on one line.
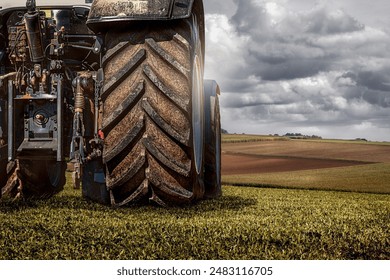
[[56, 173], [212, 148]]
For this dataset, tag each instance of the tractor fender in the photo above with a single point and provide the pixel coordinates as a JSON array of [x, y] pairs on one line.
[[107, 11]]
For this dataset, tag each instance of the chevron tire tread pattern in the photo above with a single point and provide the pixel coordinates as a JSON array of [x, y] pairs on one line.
[[147, 116]]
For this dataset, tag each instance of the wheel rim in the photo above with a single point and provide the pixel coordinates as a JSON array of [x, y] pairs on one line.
[[197, 114]]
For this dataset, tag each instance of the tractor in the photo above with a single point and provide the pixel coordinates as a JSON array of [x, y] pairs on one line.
[[114, 87]]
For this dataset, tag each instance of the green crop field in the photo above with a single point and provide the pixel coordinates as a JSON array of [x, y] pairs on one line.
[[245, 223], [370, 178], [268, 216]]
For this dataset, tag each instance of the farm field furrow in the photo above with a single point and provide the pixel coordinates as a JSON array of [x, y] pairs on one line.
[[370, 178], [316, 164], [236, 163], [313, 149]]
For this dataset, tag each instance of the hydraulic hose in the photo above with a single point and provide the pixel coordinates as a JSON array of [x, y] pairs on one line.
[[8, 75], [34, 37]]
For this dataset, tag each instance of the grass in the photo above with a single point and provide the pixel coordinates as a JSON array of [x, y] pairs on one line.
[[371, 178], [245, 223]]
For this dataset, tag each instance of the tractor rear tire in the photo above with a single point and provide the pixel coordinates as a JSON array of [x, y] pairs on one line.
[[153, 118], [93, 185], [212, 175]]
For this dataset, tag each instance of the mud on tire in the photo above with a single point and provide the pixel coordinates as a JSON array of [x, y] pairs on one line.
[[34, 179], [152, 117]]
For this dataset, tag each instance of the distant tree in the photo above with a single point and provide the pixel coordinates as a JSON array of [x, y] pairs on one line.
[[301, 136], [224, 131], [361, 139]]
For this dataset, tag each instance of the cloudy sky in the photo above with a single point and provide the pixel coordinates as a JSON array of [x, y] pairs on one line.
[[311, 67]]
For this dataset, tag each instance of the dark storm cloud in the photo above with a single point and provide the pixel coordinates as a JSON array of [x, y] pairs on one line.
[[288, 69], [378, 81], [371, 87], [287, 45]]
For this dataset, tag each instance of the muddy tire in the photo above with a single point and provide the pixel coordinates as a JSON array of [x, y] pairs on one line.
[[3, 163], [93, 184], [34, 178], [212, 175], [3, 174], [153, 113], [3, 146]]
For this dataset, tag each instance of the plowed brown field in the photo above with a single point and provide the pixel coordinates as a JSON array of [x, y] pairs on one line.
[[294, 155], [233, 164]]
